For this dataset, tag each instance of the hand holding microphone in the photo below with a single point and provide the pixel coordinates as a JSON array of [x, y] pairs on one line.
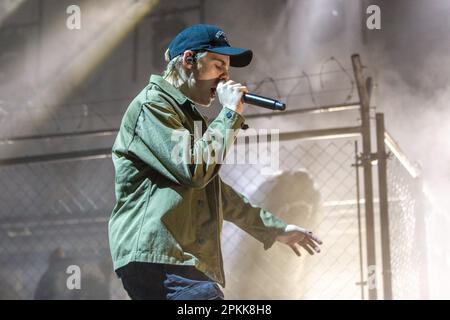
[[230, 95], [230, 91]]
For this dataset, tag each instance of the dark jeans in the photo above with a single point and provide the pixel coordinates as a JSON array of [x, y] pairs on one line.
[[152, 281]]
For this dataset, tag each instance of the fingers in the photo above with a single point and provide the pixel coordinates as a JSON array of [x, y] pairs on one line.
[[310, 242], [239, 88], [295, 249], [314, 237], [234, 85], [306, 244], [307, 248], [242, 89], [312, 245], [311, 236], [227, 83]]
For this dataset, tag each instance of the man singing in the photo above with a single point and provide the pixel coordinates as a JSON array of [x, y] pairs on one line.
[[165, 228]]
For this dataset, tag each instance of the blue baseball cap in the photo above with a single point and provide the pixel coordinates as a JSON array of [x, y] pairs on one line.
[[206, 37]]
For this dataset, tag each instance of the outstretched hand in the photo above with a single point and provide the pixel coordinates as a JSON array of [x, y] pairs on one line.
[[296, 237]]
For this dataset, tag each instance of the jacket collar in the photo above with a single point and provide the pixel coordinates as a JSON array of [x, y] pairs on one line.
[[175, 93]]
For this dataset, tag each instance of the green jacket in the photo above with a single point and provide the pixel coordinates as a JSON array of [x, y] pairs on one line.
[[170, 211]]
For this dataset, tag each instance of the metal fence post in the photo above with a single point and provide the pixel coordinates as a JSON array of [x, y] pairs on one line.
[[367, 166], [384, 213]]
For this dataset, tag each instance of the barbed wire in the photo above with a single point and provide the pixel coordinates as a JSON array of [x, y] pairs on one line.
[[352, 82], [274, 82], [307, 77]]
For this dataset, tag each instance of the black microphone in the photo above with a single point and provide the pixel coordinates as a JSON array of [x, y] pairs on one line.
[[264, 102]]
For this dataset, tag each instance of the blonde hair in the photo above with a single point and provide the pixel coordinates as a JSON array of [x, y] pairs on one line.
[[175, 74]]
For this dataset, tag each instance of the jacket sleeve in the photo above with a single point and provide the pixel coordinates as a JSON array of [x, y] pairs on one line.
[[258, 222], [162, 142]]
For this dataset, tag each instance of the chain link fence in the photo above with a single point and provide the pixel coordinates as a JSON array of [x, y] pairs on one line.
[[54, 215], [406, 232], [315, 187]]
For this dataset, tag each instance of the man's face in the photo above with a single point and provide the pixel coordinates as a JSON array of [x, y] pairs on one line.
[[208, 72]]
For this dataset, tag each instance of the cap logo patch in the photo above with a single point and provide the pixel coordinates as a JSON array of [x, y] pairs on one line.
[[220, 35]]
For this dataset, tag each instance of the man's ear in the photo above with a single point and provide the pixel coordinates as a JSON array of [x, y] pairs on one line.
[[188, 59]]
